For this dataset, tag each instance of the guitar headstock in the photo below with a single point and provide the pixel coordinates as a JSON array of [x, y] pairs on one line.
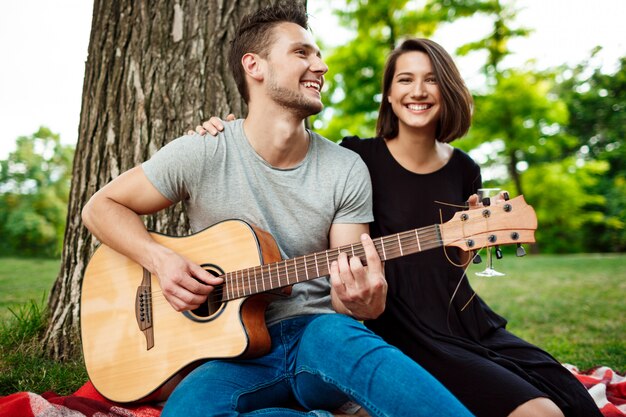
[[504, 223]]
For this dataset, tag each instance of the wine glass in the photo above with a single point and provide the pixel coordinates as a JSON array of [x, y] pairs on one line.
[[491, 194]]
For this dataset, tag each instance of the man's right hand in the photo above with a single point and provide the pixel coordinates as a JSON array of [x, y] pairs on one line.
[[212, 126], [185, 285]]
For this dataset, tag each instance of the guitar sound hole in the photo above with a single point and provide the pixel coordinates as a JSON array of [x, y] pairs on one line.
[[214, 302]]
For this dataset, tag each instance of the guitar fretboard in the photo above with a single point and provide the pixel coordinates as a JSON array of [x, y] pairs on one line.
[[267, 277]]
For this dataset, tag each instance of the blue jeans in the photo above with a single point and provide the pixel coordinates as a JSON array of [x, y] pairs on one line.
[[319, 362]]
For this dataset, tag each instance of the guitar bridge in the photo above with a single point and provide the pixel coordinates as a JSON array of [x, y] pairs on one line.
[[143, 309]]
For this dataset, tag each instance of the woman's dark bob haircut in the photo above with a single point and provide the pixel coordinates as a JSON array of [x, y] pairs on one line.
[[456, 107]]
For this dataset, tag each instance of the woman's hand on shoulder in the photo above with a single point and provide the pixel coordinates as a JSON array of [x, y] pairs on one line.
[[212, 126]]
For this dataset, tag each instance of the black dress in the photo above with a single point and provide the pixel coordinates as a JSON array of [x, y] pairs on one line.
[[468, 349]]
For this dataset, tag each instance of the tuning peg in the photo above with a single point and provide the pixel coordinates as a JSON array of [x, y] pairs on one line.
[[505, 195], [486, 201], [520, 250], [498, 252], [477, 259]]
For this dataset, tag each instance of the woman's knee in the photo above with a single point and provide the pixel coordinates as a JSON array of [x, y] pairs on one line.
[[537, 407]]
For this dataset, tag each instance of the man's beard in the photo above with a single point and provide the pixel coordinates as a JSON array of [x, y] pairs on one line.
[[293, 101]]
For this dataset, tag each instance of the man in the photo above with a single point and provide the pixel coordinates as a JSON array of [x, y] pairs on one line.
[[270, 171]]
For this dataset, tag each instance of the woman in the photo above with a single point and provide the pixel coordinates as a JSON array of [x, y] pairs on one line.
[[450, 332], [432, 313]]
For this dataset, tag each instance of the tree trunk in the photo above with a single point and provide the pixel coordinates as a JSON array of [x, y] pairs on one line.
[[514, 173], [155, 68]]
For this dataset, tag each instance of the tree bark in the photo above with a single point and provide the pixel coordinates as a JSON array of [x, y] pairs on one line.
[[514, 173], [154, 69]]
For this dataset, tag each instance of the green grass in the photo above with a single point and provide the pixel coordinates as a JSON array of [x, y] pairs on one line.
[[573, 306], [24, 366], [23, 279], [570, 305]]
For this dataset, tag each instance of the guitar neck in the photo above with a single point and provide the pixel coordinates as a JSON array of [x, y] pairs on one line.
[[267, 277]]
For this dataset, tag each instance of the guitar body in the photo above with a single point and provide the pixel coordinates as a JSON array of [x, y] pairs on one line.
[[128, 364]]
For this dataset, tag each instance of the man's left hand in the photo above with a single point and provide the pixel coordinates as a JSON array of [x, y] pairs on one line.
[[358, 290]]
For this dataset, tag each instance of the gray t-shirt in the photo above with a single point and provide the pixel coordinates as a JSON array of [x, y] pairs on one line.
[[224, 178]]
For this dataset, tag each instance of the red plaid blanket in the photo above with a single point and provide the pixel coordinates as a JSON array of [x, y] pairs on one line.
[[607, 388], [86, 402]]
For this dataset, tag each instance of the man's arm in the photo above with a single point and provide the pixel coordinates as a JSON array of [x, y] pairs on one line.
[[113, 216], [356, 290]]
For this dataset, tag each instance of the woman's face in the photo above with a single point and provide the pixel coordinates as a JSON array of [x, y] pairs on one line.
[[414, 94]]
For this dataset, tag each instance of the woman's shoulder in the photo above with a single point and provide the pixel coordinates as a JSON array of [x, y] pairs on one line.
[[360, 145], [463, 157]]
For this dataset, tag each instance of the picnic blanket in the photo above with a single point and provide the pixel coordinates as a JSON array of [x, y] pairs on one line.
[[607, 388], [86, 402]]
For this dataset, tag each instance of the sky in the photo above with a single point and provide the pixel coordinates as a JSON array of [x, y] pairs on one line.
[[43, 49]]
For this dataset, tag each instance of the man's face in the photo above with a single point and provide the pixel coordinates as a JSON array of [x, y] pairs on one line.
[[295, 70]]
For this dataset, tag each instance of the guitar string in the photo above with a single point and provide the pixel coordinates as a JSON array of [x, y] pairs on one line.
[[464, 268], [238, 280], [301, 269], [239, 284], [444, 247], [428, 238], [242, 285]]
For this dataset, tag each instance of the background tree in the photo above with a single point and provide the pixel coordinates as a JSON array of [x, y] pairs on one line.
[[597, 103], [353, 83], [523, 121], [496, 43], [155, 68], [559, 191], [34, 185], [572, 172], [499, 113], [520, 122]]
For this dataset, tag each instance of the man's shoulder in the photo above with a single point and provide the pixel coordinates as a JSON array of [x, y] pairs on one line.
[[204, 144], [332, 149], [185, 143], [232, 127]]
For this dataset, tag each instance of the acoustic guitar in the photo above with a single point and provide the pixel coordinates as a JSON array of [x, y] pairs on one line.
[[137, 347]]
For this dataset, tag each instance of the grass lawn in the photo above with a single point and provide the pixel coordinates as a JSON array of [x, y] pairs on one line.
[[25, 279], [24, 287], [573, 306]]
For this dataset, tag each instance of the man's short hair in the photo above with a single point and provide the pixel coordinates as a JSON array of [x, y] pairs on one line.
[[254, 35]]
